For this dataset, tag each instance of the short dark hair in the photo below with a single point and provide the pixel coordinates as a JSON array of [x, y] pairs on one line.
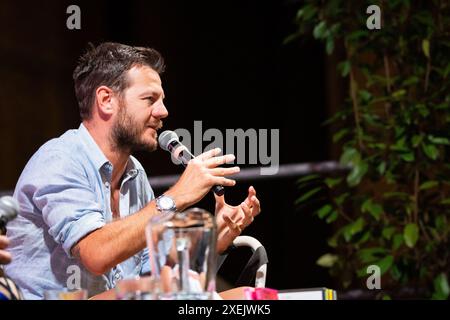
[[107, 64]]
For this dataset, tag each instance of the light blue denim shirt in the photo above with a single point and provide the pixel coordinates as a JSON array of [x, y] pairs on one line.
[[64, 194]]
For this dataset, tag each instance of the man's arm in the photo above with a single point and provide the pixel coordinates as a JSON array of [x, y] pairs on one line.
[[115, 242]]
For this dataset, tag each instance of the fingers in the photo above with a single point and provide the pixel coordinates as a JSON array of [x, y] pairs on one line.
[[232, 225], [219, 199], [4, 242], [248, 216], [224, 171], [5, 256], [209, 154], [223, 181], [256, 206], [218, 161], [251, 192]]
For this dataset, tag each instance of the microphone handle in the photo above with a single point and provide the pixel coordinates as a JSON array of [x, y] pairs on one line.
[[185, 156], [219, 190]]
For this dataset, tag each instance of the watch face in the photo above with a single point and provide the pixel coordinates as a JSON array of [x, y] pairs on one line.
[[166, 203]]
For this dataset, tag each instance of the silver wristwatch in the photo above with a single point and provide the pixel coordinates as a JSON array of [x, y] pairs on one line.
[[165, 204]]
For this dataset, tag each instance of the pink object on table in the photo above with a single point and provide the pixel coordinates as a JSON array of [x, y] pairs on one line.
[[260, 294]]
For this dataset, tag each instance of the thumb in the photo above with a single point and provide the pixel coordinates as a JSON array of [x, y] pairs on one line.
[[219, 199], [251, 192]]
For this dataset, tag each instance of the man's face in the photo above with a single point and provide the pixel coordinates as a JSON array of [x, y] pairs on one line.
[[140, 111]]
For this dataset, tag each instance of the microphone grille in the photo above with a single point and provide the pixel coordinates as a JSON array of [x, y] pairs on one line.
[[165, 137], [9, 208]]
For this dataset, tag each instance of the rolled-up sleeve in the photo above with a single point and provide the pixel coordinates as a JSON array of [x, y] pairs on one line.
[[145, 266], [68, 202]]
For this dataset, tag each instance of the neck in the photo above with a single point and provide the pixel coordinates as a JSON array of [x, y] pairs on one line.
[[117, 157]]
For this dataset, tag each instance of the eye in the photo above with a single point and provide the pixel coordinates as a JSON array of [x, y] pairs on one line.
[[151, 100]]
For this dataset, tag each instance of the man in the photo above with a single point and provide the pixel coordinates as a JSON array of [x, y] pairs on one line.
[[85, 201]]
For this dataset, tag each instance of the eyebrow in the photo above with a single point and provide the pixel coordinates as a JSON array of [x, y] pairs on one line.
[[151, 93]]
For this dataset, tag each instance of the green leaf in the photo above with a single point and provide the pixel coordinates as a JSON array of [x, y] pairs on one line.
[[307, 195], [411, 81], [428, 185], [416, 140], [299, 14], [374, 209], [365, 95], [355, 35], [396, 194], [307, 12], [440, 223], [349, 156], [408, 157], [438, 140], [441, 287], [423, 110], [308, 178], [333, 242], [340, 134], [445, 201], [426, 48], [396, 273], [357, 226], [369, 255], [399, 93], [366, 236], [397, 241], [329, 47], [324, 211], [290, 38], [385, 263], [332, 217], [319, 30], [381, 168], [327, 260], [330, 182], [400, 145], [388, 232], [431, 151], [446, 71], [411, 234], [341, 198], [344, 67], [357, 173]]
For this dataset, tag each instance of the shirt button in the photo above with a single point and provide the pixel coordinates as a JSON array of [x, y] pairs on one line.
[[117, 276], [107, 185]]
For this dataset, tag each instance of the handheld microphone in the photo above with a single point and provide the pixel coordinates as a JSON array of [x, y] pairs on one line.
[[9, 209], [169, 141]]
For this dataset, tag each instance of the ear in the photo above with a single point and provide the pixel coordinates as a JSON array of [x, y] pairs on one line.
[[105, 101]]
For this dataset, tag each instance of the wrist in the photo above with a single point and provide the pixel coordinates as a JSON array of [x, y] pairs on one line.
[[180, 201]]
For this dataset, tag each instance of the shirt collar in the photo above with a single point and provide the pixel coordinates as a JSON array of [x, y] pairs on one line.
[[99, 158], [94, 151]]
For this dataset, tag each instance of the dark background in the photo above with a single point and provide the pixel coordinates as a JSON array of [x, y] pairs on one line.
[[226, 66]]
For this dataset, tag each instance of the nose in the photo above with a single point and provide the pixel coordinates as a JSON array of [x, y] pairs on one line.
[[160, 111]]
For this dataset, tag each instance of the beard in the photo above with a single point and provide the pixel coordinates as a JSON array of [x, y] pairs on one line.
[[127, 134]]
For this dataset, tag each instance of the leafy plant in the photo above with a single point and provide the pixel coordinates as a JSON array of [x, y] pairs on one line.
[[393, 207]]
